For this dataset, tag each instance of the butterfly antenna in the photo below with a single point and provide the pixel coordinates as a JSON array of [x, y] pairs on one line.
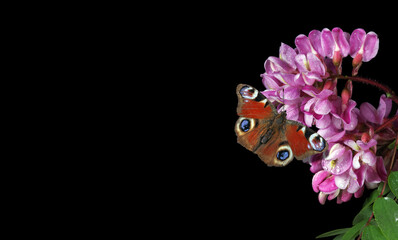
[[283, 99]]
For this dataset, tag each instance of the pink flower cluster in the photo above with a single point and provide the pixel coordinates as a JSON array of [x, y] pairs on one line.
[[303, 82]]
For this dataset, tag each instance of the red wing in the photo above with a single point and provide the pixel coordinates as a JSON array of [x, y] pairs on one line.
[[267, 152], [253, 104], [303, 141]]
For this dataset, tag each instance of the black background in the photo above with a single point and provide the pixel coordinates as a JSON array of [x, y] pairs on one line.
[[234, 194]]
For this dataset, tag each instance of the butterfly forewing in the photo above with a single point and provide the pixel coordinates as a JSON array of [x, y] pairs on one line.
[[253, 104]]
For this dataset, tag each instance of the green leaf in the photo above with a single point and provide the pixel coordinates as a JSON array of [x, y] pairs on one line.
[[338, 237], [386, 214], [354, 231], [391, 145], [371, 232], [373, 222], [333, 232], [387, 190], [393, 182], [373, 196], [390, 195], [364, 214]]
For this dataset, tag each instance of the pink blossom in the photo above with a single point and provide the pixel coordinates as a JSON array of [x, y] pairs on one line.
[[319, 101], [345, 112], [304, 45], [369, 113], [363, 46], [316, 104], [365, 164], [318, 178], [348, 181], [326, 43], [332, 44], [273, 95], [344, 196], [367, 175], [381, 169], [339, 159], [299, 82], [287, 54], [270, 82], [341, 45], [275, 65], [332, 134], [355, 179], [324, 122], [310, 63], [343, 117], [322, 42], [324, 183], [316, 163], [364, 153]]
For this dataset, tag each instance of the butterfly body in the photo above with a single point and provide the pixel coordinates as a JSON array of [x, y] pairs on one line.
[[264, 131]]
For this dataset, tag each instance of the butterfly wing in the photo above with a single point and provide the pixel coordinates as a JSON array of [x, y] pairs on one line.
[[253, 104], [304, 141], [275, 150], [266, 138], [254, 127], [256, 115]]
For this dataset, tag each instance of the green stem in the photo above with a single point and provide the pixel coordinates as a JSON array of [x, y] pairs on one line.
[[392, 160], [387, 123]]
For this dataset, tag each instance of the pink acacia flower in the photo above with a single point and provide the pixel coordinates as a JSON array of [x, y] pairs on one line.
[[337, 163], [355, 180], [363, 152], [365, 169], [354, 163], [343, 117], [331, 44], [324, 183], [300, 81], [316, 105], [276, 65], [339, 159], [373, 115], [364, 47]]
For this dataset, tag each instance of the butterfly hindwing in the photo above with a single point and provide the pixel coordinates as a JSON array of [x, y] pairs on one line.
[[276, 151], [303, 140]]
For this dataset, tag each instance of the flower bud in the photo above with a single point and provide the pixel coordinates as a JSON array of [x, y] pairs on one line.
[[356, 64], [365, 138], [330, 84], [346, 93], [337, 59], [342, 47]]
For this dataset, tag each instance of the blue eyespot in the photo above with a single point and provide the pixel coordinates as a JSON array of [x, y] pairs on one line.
[[282, 155], [245, 125]]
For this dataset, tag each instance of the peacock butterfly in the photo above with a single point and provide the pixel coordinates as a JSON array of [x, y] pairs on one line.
[[276, 140]]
